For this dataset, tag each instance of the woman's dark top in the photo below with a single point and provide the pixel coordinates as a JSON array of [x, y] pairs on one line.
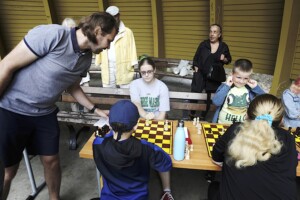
[[203, 59], [269, 180]]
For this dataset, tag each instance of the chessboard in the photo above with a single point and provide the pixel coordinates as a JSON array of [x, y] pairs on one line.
[[211, 133], [296, 133], [155, 133]]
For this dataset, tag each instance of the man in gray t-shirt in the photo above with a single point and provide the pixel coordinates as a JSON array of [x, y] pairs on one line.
[[49, 60]]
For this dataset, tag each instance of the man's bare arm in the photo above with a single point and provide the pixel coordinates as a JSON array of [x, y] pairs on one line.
[[19, 57], [76, 91]]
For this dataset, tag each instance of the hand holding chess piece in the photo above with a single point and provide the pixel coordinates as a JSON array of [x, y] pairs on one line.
[[147, 123], [148, 117]]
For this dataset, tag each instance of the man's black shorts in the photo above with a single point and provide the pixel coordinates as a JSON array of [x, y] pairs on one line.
[[39, 134]]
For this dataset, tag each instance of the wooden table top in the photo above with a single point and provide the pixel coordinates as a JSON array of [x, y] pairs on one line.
[[199, 158]]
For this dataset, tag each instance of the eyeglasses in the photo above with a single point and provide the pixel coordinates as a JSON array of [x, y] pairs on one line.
[[146, 72]]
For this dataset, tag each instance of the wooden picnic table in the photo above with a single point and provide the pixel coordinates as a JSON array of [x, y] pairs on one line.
[[199, 158]]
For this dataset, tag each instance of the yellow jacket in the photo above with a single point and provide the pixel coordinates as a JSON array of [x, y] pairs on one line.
[[126, 57]]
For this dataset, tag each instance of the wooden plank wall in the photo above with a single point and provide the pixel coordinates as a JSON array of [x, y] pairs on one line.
[[137, 16], [296, 61], [252, 30], [17, 17], [75, 9], [186, 24]]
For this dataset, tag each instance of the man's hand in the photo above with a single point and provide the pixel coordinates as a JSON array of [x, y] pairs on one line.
[[252, 83], [229, 81], [150, 115], [102, 113]]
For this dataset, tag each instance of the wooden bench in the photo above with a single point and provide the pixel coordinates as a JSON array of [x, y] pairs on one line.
[[164, 67], [109, 96]]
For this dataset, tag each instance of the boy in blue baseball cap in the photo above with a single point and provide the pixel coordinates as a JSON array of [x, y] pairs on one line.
[[125, 161]]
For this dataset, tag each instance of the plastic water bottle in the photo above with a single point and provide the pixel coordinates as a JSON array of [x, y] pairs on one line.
[[179, 142]]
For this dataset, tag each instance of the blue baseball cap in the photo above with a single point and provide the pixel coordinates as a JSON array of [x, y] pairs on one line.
[[125, 112]]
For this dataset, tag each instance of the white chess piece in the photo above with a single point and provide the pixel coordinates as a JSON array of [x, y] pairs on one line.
[[187, 154], [199, 130], [192, 147], [166, 126], [147, 122]]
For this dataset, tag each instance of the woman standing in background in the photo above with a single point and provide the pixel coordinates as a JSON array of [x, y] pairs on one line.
[[208, 63]]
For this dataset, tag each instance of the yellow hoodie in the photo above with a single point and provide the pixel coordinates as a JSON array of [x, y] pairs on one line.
[[126, 57]]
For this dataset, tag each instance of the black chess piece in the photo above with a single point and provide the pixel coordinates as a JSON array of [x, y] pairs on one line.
[[181, 122], [101, 132]]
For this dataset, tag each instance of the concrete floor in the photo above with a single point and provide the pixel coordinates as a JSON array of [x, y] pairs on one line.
[[79, 175]]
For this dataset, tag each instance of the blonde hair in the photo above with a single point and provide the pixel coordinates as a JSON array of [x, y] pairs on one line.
[[69, 22], [256, 140]]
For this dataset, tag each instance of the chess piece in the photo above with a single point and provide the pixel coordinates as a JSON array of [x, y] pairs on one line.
[[192, 147], [187, 156], [186, 150], [223, 130], [166, 126], [147, 122], [194, 121], [198, 130]]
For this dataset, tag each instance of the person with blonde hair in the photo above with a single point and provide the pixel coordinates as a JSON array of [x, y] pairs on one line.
[[258, 158], [291, 102]]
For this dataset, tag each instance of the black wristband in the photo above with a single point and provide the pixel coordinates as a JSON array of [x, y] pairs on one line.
[[93, 109]]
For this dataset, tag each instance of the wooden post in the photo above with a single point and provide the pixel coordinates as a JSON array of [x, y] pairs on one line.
[[49, 11], [102, 4], [2, 49], [286, 48], [216, 12], [158, 29]]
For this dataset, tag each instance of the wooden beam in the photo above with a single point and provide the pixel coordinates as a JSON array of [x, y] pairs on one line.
[[2, 49], [49, 11], [158, 29], [216, 12], [287, 46], [102, 4]]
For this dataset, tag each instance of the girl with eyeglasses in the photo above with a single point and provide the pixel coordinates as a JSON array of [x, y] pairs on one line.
[[150, 95]]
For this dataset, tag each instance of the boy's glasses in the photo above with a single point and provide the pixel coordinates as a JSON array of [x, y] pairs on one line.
[[146, 72]]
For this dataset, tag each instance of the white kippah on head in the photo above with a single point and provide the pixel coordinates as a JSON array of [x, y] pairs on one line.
[[113, 10]]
